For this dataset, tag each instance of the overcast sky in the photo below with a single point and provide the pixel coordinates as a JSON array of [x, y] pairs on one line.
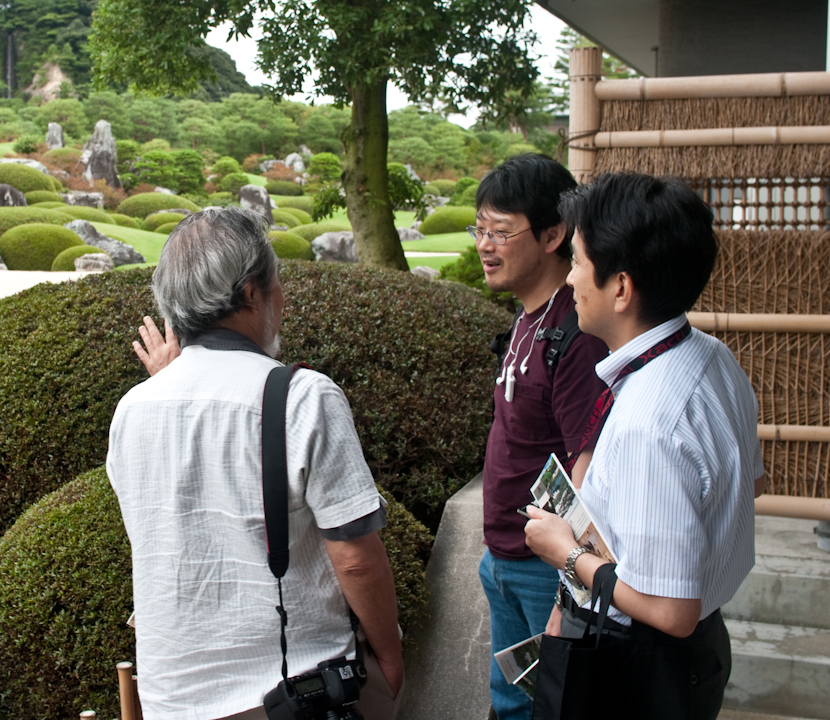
[[243, 51]]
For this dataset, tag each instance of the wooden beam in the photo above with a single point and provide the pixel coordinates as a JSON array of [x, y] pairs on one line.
[[759, 322], [716, 137], [793, 507]]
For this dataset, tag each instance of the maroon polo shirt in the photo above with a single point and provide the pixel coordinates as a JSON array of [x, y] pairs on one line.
[[548, 414]]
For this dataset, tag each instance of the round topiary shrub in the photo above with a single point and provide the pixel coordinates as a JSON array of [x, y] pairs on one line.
[[82, 212], [301, 202], [166, 229], [66, 593], [64, 158], [420, 346], [35, 246], [57, 185], [13, 216], [312, 230], [444, 188], [283, 218], [287, 245], [143, 204], [283, 187], [301, 215], [124, 221], [226, 166], [39, 196], [65, 261], [49, 204], [466, 198], [234, 182], [448, 220], [24, 178], [151, 222]]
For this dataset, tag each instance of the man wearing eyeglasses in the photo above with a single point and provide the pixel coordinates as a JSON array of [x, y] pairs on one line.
[[525, 249]]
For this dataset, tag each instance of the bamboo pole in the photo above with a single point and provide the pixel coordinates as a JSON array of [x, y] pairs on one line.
[[585, 73], [793, 507], [794, 433], [806, 135], [759, 322], [714, 86], [125, 690]]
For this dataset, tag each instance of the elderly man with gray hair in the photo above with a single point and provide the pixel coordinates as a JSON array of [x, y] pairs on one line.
[[185, 460]]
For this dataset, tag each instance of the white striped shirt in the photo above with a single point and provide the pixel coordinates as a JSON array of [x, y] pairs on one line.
[[671, 481]]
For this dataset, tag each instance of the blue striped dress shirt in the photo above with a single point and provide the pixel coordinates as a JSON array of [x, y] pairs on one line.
[[671, 481]]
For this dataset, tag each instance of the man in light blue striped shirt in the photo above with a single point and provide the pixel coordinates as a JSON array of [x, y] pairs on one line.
[[677, 464]]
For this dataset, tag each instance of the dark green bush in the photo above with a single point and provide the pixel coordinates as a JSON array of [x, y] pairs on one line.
[[166, 228], [234, 182], [35, 246], [287, 245], [151, 222], [225, 166], [13, 216], [312, 230], [66, 593], [421, 347], [301, 215], [39, 196], [463, 184], [24, 178], [221, 199], [444, 188], [465, 192], [27, 144], [87, 213], [469, 271], [143, 204], [124, 221], [448, 220], [301, 202], [65, 261], [284, 218], [283, 187]]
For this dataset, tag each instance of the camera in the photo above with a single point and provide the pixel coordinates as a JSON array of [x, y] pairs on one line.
[[327, 693]]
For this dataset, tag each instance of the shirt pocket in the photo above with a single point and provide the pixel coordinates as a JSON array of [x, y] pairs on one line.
[[529, 416]]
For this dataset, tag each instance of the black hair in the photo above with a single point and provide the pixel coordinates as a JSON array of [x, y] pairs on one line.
[[655, 229], [529, 184]]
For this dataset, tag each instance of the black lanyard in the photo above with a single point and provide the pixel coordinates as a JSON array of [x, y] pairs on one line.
[[606, 400]]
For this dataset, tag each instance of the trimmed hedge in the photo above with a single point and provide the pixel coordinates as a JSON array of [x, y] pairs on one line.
[[66, 593], [124, 221], [144, 204], [65, 261], [234, 182], [312, 230], [49, 204], [87, 213], [13, 216], [24, 178], [151, 222], [444, 188], [301, 215], [284, 218], [448, 220], [67, 360], [39, 196], [283, 187], [166, 229], [301, 202], [287, 245], [35, 246]]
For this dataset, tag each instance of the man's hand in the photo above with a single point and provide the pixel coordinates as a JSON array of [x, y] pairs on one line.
[[161, 351], [549, 536]]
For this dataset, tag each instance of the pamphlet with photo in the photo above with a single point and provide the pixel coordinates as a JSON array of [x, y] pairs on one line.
[[519, 663]]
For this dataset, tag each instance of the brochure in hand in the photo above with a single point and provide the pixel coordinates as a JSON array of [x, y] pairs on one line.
[[519, 663]]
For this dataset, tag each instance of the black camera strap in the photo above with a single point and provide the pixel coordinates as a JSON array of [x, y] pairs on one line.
[[275, 491]]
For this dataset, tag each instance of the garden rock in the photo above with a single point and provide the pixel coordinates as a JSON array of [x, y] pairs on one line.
[[94, 262], [421, 271], [29, 163], [99, 156], [121, 253], [305, 150], [11, 196], [295, 162], [411, 172], [256, 198], [54, 136], [409, 234], [85, 199], [335, 247], [267, 165], [166, 191]]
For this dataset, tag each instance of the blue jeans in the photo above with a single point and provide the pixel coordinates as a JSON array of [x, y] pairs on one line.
[[521, 594]]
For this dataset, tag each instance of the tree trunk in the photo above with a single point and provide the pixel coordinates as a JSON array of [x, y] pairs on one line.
[[365, 179]]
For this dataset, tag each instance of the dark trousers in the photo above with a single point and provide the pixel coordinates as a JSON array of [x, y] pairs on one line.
[[711, 653]]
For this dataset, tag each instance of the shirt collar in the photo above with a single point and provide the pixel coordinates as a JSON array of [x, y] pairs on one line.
[[609, 368], [224, 339]]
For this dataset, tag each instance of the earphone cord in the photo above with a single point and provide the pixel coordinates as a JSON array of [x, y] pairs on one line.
[[533, 328]]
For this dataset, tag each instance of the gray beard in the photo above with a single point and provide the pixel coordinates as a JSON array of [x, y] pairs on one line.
[[273, 347]]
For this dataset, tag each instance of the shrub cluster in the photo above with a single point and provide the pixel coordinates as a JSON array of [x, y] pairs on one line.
[[87, 213], [301, 202], [443, 188], [283, 187], [448, 220], [143, 204], [289, 246], [13, 216], [124, 221], [39, 196], [66, 592], [48, 204], [65, 261], [301, 215], [166, 228], [285, 218], [312, 230], [35, 246], [234, 182], [151, 222], [24, 178]]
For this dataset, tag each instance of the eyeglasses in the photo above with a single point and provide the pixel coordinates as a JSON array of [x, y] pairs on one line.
[[497, 238]]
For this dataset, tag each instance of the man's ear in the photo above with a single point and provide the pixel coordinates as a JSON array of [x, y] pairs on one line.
[[626, 297], [553, 237], [249, 293]]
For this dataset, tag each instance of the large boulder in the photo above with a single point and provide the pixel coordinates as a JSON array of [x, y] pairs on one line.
[[54, 136], [94, 262], [121, 253], [423, 271], [100, 156], [39, 166], [335, 247], [267, 165], [84, 199], [295, 162], [409, 234], [256, 198], [11, 196]]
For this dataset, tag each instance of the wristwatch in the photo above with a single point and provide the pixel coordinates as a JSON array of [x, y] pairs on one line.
[[570, 567]]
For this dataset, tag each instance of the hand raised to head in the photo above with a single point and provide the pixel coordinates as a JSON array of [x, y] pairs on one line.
[[161, 351]]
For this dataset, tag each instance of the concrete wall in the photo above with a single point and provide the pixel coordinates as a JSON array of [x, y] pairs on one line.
[[720, 37]]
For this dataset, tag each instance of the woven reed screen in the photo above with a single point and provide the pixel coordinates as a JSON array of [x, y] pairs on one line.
[[780, 272]]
